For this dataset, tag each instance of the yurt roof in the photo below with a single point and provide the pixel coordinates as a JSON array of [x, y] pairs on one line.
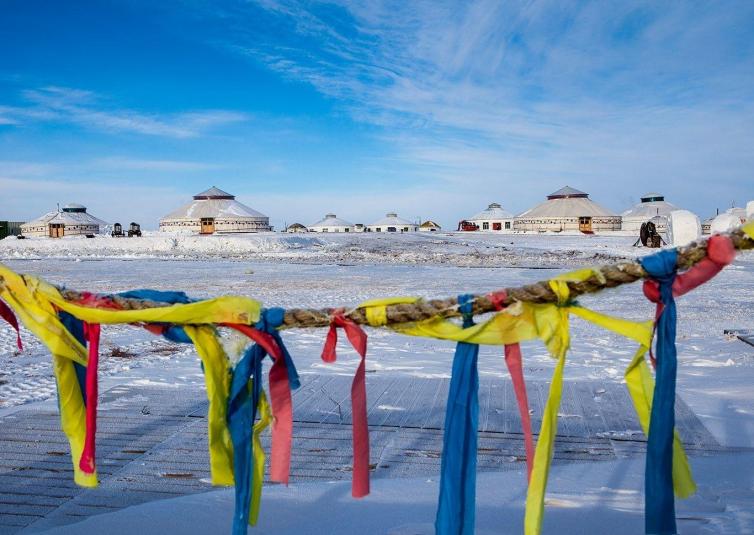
[[392, 219], [649, 208], [66, 218], [567, 202], [214, 193], [567, 192], [225, 208], [296, 225], [429, 224], [493, 211], [331, 220]]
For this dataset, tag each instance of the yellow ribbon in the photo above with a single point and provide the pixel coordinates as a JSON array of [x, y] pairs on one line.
[[217, 379], [265, 418], [748, 229]]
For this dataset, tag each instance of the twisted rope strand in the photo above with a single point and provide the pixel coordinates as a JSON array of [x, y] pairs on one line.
[[613, 275]]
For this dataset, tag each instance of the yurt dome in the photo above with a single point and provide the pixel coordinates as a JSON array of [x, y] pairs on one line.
[[296, 227], [567, 209], [494, 217], [215, 210], [392, 223], [429, 226], [73, 220], [331, 223], [651, 205]]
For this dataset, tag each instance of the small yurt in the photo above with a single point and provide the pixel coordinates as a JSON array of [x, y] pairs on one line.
[[331, 223], [726, 221], [213, 211], [296, 227], [72, 220], [652, 205], [567, 209], [429, 226], [392, 223], [493, 218]]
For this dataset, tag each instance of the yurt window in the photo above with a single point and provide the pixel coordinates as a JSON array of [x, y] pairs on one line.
[[507, 225], [485, 226], [392, 229]]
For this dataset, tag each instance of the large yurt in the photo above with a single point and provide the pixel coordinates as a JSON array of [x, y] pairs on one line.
[[493, 218], [331, 223], [392, 223], [652, 206], [567, 209], [213, 211], [72, 220]]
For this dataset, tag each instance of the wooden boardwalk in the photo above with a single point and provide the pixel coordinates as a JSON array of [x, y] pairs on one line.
[[151, 442]]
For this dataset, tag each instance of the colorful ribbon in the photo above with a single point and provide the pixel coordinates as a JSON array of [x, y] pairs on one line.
[[7, 314], [87, 462], [359, 425], [456, 507]]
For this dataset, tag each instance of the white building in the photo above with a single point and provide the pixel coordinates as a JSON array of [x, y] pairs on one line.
[[429, 226], [567, 209], [493, 218], [331, 223], [652, 205], [392, 223], [213, 211], [72, 220]]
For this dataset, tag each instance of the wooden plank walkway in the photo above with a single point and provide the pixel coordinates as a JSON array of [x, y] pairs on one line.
[[151, 442]]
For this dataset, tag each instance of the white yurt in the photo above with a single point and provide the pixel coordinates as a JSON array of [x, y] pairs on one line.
[[652, 206], [567, 209], [213, 211], [726, 221], [72, 220], [429, 226], [392, 223], [295, 228], [493, 218], [331, 223]]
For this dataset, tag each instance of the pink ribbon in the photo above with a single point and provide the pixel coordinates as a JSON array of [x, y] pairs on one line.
[[360, 428], [513, 361], [7, 314], [92, 333]]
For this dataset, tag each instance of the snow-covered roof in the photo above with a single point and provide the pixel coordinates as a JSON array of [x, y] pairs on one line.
[[214, 193], [331, 220], [493, 211], [567, 202], [567, 192], [66, 218], [651, 205], [392, 220], [215, 208]]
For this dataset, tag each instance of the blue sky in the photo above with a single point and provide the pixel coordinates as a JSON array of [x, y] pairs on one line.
[[433, 109]]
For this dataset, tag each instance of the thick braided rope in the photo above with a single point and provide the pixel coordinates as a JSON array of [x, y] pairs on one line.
[[613, 275]]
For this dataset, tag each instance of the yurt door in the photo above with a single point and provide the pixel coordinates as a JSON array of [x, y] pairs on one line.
[[57, 230], [585, 224], [208, 225]]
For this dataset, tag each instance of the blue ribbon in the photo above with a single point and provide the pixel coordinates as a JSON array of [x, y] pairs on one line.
[[242, 411], [456, 508], [76, 327], [660, 502]]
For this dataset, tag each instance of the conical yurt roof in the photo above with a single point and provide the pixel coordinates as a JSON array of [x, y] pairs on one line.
[[567, 202], [392, 219], [651, 205], [66, 217], [429, 224], [331, 220], [493, 211], [214, 203]]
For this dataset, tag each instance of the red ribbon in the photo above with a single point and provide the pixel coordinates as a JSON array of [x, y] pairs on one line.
[[92, 333], [513, 361], [359, 423], [281, 401], [720, 253], [7, 314]]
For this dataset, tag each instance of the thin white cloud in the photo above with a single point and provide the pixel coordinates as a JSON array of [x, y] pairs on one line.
[[86, 109]]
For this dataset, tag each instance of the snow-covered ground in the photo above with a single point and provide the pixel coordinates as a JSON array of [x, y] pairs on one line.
[[714, 378]]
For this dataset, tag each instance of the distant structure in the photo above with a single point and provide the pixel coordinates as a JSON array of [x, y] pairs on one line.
[[213, 211], [10, 228], [72, 220], [493, 218], [429, 226], [726, 221], [652, 206], [296, 227], [567, 209], [331, 223], [392, 223]]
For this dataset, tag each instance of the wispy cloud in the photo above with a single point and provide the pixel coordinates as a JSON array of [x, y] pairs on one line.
[[91, 111]]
